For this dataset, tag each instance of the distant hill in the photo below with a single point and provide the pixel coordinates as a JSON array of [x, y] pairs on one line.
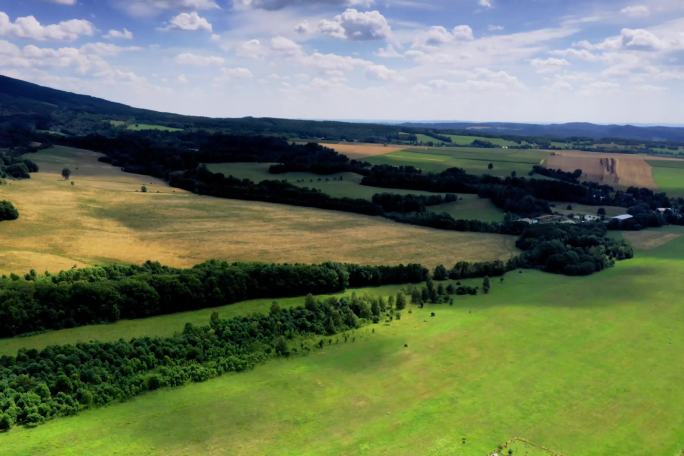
[[24, 104], [566, 130], [45, 108]]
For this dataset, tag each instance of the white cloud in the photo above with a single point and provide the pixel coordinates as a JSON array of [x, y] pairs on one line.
[[357, 25], [485, 3], [636, 11], [550, 65], [237, 73], [63, 2], [381, 73], [438, 35], [142, 8], [124, 34], [190, 22], [285, 46], [28, 27], [188, 58], [280, 4]]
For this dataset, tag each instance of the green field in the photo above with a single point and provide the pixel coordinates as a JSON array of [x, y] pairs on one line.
[[669, 176], [579, 366], [461, 140], [468, 207], [141, 126], [473, 160]]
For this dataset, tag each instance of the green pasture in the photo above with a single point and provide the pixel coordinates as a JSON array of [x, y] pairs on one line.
[[550, 364], [669, 176], [468, 207], [141, 126]]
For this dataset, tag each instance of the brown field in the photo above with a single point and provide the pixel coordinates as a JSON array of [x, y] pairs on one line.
[[649, 239], [103, 218], [360, 150], [619, 170]]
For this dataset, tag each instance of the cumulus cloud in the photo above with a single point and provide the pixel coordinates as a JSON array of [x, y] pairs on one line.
[[438, 35], [357, 25], [124, 34], [188, 58], [486, 3], [636, 11], [28, 27], [280, 4], [190, 22]]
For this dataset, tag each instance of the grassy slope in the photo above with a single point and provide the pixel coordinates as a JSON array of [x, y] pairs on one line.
[[473, 160], [579, 365], [468, 207], [104, 218]]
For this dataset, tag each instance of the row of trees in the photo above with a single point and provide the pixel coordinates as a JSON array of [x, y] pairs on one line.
[[96, 295], [62, 380]]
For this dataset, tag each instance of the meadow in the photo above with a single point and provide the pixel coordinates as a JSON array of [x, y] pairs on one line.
[[141, 126], [669, 176], [468, 207], [105, 218], [473, 160], [550, 364]]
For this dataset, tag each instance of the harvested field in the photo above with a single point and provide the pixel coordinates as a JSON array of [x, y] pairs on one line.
[[618, 170], [103, 218], [360, 150], [650, 239]]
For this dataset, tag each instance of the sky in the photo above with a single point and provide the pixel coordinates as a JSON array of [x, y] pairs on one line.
[[609, 61]]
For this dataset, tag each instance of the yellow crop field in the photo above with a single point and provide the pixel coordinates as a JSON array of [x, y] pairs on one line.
[[104, 217]]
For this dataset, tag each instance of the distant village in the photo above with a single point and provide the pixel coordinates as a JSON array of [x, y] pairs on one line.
[[584, 218]]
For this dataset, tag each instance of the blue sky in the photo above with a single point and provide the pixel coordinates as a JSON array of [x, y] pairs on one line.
[[498, 60]]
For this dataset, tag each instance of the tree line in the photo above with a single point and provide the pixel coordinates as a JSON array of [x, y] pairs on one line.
[[37, 385], [106, 294]]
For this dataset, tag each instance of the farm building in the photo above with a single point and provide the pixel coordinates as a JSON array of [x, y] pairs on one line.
[[622, 217]]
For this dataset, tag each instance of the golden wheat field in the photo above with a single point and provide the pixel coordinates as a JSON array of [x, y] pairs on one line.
[[621, 170], [104, 217]]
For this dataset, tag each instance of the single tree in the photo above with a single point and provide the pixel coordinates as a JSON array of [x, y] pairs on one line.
[[486, 285], [440, 273], [490, 166], [143, 188], [66, 173]]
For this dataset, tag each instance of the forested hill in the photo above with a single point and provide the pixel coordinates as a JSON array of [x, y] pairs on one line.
[[27, 105], [565, 130]]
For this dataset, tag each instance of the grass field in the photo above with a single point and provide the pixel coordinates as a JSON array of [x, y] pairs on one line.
[[104, 218], [473, 160], [669, 176], [142, 126], [468, 206], [552, 364]]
